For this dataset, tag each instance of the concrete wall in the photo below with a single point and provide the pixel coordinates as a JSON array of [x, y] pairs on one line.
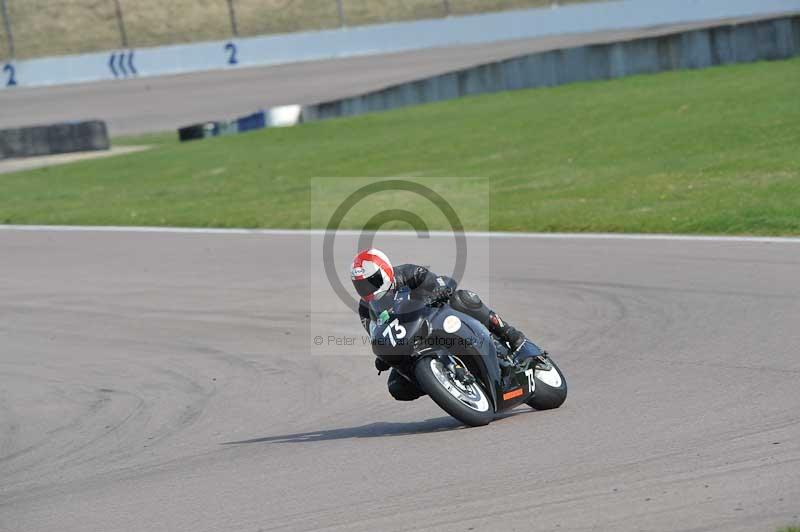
[[378, 39], [763, 40]]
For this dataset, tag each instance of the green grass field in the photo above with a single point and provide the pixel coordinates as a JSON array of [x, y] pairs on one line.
[[58, 27], [714, 151]]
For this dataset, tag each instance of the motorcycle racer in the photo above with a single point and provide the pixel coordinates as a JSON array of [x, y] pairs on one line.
[[374, 277]]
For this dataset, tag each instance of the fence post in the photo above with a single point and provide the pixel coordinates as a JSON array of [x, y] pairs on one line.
[[342, 20], [123, 35], [232, 13], [7, 25]]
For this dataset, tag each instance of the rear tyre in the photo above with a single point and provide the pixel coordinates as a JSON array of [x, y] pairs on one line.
[[551, 388], [469, 404]]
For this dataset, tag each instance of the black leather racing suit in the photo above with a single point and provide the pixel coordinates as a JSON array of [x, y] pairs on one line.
[[423, 282]]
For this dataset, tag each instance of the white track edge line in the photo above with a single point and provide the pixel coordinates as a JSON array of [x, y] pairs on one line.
[[350, 232]]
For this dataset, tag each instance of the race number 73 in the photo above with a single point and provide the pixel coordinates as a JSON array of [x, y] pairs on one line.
[[531, 381], [394, 331]]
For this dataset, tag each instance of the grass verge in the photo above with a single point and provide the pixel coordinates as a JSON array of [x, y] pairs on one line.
[[715, 151]]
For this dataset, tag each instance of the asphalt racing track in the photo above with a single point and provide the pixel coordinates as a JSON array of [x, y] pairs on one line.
[[158, 381]]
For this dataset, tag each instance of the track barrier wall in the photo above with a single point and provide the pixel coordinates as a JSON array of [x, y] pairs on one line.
[[756, 41], [122, 64], [53, 139]]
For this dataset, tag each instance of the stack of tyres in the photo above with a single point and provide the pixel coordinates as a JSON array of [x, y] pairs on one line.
[[66, 137], [208, 129], [197, 131], [283, 116]]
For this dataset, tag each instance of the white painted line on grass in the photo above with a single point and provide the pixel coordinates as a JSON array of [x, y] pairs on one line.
[[351, 232]]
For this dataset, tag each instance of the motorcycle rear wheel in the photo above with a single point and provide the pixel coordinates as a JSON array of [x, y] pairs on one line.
[[468, 404]]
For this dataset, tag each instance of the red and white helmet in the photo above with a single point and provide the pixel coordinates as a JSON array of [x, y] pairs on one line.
[[372, 274]]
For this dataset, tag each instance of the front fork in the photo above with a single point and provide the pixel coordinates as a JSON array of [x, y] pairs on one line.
[[459, 370], [454, 365]]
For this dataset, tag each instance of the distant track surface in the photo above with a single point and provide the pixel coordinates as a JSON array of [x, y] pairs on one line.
[[162, 103], [169, 382]]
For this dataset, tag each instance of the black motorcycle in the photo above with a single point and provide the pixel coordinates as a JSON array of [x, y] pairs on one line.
[[454, 359]]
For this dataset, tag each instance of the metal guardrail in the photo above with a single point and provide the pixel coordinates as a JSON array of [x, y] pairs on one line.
[[36, 28]]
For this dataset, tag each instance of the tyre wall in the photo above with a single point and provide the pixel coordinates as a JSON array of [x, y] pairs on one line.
[[52, 139]]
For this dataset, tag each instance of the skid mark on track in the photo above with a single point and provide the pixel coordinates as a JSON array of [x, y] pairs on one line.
[[115, 426], [62, 446]]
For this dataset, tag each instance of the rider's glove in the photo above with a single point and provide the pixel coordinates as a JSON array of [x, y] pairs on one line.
[[441, 294]]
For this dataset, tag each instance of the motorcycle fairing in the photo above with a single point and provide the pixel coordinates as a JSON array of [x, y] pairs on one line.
[[476, 349]]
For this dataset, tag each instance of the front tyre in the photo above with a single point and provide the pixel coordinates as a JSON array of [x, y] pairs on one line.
[[551, 387], [467, 403]]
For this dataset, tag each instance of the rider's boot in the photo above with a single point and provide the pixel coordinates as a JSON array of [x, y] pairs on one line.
[[470, 304], [508, 334]]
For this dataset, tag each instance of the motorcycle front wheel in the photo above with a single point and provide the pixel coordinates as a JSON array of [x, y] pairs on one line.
[[469, 404], [551, 387]]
